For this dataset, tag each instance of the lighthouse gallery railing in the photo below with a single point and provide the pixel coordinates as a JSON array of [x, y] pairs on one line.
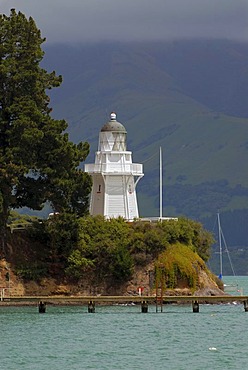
[[118, 168]]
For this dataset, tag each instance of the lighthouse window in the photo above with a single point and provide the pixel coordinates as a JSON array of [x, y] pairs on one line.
[[99, 188], [114, 157]]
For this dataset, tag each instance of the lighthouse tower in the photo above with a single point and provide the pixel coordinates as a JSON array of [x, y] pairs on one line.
[[114, 175]]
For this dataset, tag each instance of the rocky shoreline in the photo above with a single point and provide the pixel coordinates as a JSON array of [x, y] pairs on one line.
[[141, 280]]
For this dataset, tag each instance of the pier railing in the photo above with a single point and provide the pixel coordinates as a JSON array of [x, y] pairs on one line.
[[144, 301]]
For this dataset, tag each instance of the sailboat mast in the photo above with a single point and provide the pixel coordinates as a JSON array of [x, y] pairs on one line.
[[160, 184], [220, 245]]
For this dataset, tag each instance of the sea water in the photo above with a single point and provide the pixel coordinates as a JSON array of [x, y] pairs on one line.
[[121, 337]]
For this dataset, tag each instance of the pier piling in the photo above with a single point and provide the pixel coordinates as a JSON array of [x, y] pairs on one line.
[[42, 307], [195, 306], [91, 307], [246, 306], [144, 307]]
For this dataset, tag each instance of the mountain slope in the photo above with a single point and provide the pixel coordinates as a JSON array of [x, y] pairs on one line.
[[190, 98]]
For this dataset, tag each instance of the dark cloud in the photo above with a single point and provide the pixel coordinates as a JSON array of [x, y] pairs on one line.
[[87, 20]]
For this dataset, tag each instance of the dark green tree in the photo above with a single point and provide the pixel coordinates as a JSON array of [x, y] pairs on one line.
[[102, 248], [38, 163]]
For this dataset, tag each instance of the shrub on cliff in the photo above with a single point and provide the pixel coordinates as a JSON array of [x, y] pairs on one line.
[[178, 263], [109, 249]]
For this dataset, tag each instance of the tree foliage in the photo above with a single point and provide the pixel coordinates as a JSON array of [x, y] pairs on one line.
[[38, 163], [105, 244], [111, 248]]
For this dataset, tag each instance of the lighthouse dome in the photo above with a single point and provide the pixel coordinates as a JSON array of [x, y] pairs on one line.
[[113, 125], [112, 136]]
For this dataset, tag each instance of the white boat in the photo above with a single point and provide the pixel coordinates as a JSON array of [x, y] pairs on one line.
[[233, 287]]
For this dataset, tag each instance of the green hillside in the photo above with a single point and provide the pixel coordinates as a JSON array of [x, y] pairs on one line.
[[190, 98]]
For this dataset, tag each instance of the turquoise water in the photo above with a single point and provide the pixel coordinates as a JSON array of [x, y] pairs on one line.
[[121, 337]]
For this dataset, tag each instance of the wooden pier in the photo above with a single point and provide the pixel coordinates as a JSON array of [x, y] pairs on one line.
[[144, 301]]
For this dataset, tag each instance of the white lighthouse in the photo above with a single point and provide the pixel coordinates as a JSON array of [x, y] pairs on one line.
[[114, 175]]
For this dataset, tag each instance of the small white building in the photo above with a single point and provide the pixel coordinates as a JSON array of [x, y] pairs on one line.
[[114, 175]]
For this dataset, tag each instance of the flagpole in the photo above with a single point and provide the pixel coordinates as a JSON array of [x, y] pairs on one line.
[[160, 184]]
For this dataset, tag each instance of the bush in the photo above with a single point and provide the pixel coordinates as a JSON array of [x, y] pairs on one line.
[[178, 262], [34, 272]]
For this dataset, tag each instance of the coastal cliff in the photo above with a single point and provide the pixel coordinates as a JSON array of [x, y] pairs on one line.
[[142, 281], [109, 258]]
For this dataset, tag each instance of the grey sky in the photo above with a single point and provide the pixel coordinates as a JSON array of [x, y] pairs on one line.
[[95, 20]]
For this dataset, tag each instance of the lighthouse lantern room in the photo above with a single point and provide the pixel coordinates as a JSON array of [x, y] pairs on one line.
[[114, 175]]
